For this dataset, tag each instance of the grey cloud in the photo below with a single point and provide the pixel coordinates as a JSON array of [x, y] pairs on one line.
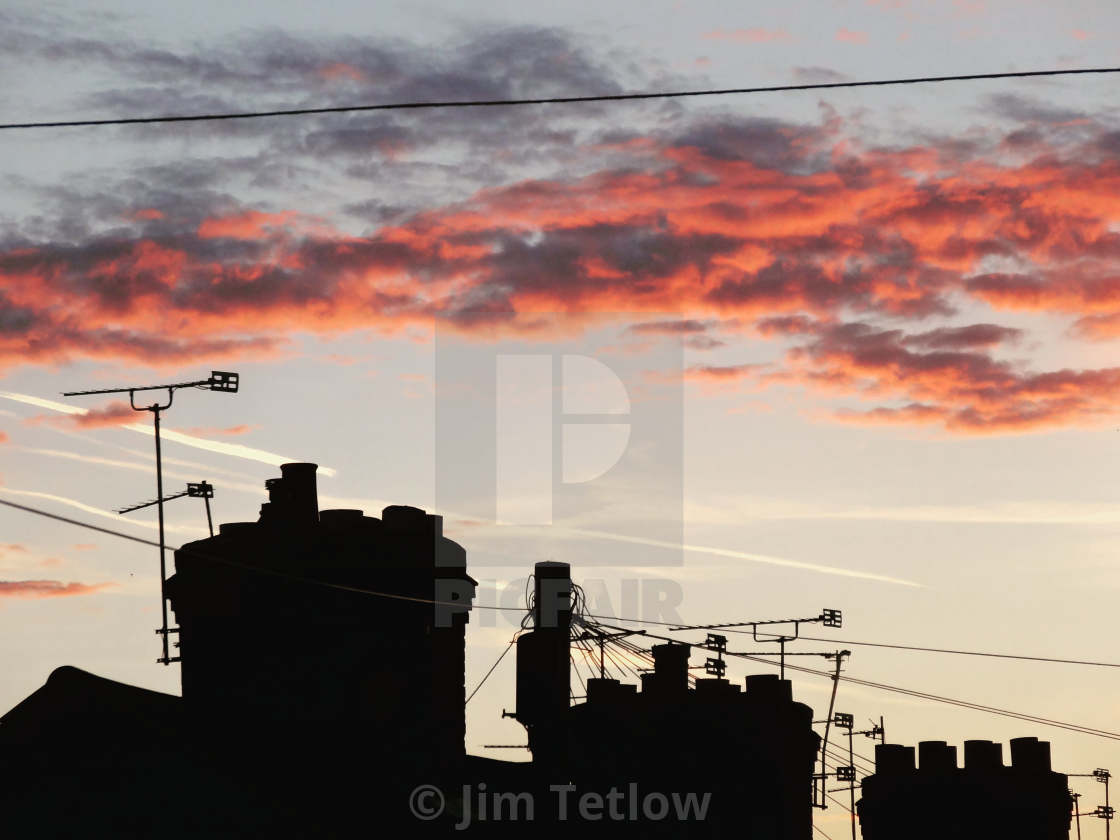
[[817, 75]]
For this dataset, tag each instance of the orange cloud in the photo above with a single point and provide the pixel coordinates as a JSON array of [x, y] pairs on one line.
[[720, 373], [47, 588], [115, 414], [795, 229], [248, 225], [949, 380]]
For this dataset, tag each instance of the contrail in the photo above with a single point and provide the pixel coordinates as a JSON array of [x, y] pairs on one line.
[[744, 555], [204, 470], [42, 403], [132, 465], [74, 503], [376, 505], [235, 450]]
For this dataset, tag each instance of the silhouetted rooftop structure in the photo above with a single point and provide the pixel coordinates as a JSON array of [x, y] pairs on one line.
[[753, 750], [934, 798], [273, 631], [323, 655]]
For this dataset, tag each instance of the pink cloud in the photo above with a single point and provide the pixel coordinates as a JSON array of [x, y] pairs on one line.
[[250, 224], [47, 588], [794, 228]]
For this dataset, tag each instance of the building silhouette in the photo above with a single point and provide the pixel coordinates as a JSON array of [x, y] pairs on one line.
[[935, 798], [261, 646], [308, 708], [753, 751], [323, 660]]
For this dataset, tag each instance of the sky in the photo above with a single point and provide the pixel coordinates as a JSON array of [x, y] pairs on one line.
[[845, 348]]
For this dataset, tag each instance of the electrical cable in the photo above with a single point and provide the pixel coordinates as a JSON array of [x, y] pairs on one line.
[[963, 652], [553, 100], [868, 683], [730, 628], [492, 667], [966, 704], [1073, 727], [575, 670], [839, 759], [248, 567]]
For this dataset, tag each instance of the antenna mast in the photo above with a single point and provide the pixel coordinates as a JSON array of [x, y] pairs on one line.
[[220, 380]]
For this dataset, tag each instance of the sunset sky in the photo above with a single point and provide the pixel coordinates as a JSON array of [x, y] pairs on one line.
[[894, 314]]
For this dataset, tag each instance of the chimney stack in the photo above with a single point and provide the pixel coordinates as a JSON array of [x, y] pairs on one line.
[[293, 499]]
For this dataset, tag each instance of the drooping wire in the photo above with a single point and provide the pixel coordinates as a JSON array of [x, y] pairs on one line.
[[961, 652], [529, 597], [1073, 727], [492, 667], [195, 552], [841, 759], [550, 100], [868, 683], [731, 629], [575, 670]]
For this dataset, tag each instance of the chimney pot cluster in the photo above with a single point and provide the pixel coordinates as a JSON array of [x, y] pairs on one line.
[[1027, 754], [293, 499]]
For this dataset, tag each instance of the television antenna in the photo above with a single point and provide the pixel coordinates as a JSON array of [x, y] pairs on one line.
[[195, 490], [219, 380]]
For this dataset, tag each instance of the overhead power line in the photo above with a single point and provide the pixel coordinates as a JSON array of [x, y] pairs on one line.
[[730, 628], [968, 652], [552, 100], [251, 568], [922, 695], [497, 661], [1073, 727], [964, 704], [112, 532]]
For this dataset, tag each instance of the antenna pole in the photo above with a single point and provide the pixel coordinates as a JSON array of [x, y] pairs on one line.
[[852, 783], [162, 545], [209, 519], [220, 380], [840, 654]]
